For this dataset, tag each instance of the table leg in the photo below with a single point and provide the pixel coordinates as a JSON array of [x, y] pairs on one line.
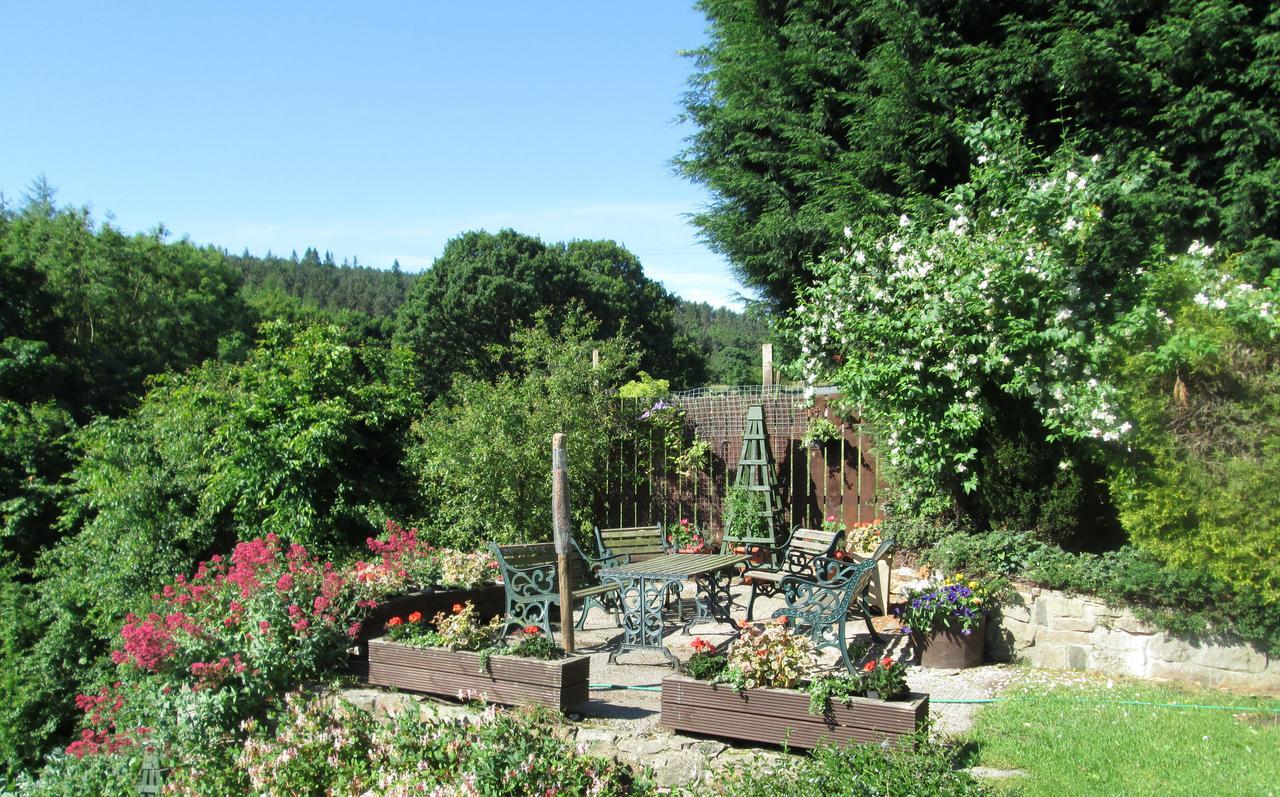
[[642, 601], [713, 599]]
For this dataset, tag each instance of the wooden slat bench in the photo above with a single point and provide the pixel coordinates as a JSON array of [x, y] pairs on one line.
[[531, 587], [798, 555], [636, 543]]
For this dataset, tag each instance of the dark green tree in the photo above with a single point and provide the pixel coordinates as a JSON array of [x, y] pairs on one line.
[[813, 116], [486, 286]]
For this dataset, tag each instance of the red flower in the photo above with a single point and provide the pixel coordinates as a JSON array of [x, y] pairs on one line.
[[457, 608], [782, 621], [394, 621], [869, 666], [886, 662], [415, 617], [531, 630], [701, 645]]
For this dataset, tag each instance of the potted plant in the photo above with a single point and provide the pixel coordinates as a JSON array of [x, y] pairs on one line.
[[819, 431], [947, 622], [456, 655], [766, 688], [685, 537]]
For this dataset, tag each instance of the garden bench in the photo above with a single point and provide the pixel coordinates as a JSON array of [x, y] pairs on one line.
[[817, 603], [879, 584], [798, 555], [636, 543], [531, 587]]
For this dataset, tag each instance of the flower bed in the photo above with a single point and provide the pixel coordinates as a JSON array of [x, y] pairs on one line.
[[488, 600], [509, 680], [781, 716]]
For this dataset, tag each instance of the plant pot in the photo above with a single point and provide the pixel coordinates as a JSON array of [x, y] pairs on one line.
[[878, 589], [781, 716], [509, 680], [948, 648]]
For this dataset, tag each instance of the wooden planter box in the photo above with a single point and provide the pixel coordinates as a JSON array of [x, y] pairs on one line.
[[950, 649], [781, 716], [509, 680], [488, 599]]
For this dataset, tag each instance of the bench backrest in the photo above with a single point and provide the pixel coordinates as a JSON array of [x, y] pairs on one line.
[[638, 542], [543, 553], [814, 542]]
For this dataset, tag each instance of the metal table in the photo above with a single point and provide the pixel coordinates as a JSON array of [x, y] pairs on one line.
[[642, 592]]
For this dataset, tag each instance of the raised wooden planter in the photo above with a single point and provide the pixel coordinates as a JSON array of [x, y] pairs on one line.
[[950, 649], [781, 716], [488, 600], [509, 680]]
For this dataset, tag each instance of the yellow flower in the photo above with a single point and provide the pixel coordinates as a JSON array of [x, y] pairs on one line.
[[973, 585]]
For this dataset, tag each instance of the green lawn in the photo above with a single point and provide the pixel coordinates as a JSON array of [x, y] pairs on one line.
[[1070, 742]]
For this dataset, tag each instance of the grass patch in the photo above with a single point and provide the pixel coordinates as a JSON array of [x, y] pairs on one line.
[[1082, 739]]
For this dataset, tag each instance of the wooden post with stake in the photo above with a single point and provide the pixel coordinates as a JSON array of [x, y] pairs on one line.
[[562, 534]]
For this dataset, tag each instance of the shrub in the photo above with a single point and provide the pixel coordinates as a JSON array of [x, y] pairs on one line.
[[920, 766], [769, 655], [481, 455], [326, 746]]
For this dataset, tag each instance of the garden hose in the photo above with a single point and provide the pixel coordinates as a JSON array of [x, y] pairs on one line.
[[1109, 703], [610, 687]]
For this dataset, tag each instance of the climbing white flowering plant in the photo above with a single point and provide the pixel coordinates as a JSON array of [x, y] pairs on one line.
[[923, 327]]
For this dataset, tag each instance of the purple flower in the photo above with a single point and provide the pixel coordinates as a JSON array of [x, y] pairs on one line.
[[966, 631], [906, 629]]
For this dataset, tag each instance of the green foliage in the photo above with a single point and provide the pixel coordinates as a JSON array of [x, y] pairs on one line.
[[812, 116], [1205, 398], [481, 455], [645, 387], [1189, 601], [324, 287], [335, 748], [920, 766], [460, 315], [120, 308], [744, 514], [729, 340]]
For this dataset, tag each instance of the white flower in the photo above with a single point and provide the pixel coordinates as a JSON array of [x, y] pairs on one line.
[[982, 159], [961, 468], [895, 246], [1219, 304], [917, 365], [1125, 427], [904, 220], [1070, 225], [848, 232], [1201, 299], [859, 256]]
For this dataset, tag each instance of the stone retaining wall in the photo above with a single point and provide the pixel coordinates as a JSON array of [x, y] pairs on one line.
[[1047, 628]]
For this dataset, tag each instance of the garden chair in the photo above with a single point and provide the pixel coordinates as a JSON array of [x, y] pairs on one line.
[[819, 605], [798, 555], [531, 587], [636, 544]]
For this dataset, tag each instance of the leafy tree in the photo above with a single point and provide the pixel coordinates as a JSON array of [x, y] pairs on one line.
[[481, 453], [118, 308], [813, 116], [485, 287]]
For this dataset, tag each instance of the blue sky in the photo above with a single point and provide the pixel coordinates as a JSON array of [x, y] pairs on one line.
[[376, 130]]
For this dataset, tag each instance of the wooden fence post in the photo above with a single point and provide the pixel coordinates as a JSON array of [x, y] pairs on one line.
[[563, 534], [766, 364]]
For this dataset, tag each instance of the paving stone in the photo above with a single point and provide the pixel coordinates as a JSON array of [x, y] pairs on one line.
[[679, 768]]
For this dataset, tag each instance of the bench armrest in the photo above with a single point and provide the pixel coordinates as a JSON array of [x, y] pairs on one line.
[[531, 582]]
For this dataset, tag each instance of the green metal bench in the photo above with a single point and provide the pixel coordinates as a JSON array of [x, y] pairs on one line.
[[819, 605], [798, 555], [531, 587]]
